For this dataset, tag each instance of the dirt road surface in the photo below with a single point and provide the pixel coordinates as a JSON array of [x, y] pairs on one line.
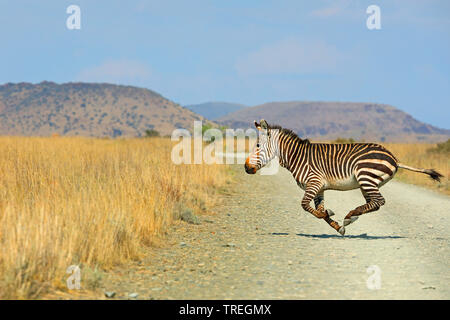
[[260, 244]]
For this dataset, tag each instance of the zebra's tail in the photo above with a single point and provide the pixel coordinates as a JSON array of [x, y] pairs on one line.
[[431, 172]]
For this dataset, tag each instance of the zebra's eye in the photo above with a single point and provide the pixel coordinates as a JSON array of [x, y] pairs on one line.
[[257, 145]]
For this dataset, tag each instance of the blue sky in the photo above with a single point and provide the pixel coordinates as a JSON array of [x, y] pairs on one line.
[[244, 51]]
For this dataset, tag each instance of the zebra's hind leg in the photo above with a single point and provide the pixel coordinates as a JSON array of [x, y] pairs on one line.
[[374, 200]]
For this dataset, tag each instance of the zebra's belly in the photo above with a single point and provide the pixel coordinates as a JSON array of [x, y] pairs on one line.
[[349, 183]]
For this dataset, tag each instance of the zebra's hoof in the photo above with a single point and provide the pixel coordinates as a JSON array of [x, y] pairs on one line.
[[351, 220], [330, 213], [342, 230]]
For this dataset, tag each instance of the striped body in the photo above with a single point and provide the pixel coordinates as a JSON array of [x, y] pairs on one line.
[[338, 166], [317, 167]]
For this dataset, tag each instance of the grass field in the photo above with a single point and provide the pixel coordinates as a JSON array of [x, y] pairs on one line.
[[425, 156], [89, 202], [101, 202]]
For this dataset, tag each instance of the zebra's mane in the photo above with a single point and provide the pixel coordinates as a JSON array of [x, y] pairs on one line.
[[289, 133]]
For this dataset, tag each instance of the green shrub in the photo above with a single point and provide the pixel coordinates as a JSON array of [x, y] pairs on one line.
[[443, 148], [344, 140], [151, 133]]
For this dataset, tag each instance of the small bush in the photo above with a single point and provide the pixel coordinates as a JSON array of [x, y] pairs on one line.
[[92, 278], [151, 133], [443, 148], [344, 140]]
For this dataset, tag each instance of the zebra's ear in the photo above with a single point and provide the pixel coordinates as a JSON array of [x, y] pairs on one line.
[[264, 124], [257, 125]]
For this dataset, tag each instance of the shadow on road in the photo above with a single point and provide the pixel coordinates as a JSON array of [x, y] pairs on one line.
[[335, 236]]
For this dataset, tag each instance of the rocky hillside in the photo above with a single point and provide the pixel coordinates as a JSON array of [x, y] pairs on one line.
[[332, 120], [88, 109]]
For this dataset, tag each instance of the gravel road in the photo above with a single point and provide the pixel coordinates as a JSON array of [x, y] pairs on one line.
[[260, 244]]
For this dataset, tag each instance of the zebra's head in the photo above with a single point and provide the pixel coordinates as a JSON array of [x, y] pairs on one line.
[[264, 149]]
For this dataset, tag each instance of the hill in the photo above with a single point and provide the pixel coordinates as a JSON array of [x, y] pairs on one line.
[[215, 110], [87, 109], [332, 120]]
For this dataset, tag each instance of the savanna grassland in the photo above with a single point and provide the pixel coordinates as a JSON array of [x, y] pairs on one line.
[[91, 202], [99, 203], [427, 156]]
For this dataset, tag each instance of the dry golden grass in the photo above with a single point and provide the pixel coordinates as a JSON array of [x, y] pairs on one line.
[[95, 202], [418, 155]]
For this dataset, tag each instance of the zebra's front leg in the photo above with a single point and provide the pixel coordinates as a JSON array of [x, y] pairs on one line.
[[314, 192], [319, 202]]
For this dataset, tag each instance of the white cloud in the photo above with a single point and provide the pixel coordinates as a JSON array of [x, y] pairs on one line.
[[116, 71], [291, 56]]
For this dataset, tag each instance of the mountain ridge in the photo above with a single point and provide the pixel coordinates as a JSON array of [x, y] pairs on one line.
[[88, 109], [326, 120], [215, 109], [111, 110]]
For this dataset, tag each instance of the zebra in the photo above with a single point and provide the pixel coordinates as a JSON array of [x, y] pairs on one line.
[[317, 167]]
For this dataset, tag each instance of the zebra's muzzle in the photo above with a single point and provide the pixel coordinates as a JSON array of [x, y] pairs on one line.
[[249, 168]]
